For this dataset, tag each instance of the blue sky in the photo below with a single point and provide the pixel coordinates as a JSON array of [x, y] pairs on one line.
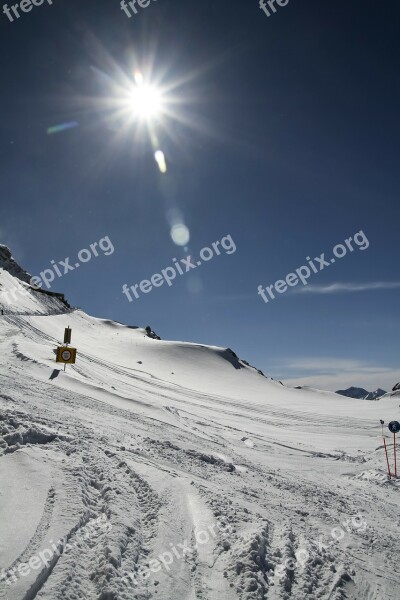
[[286, 138]]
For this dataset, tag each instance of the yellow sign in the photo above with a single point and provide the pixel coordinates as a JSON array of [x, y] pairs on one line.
[[66, 355]]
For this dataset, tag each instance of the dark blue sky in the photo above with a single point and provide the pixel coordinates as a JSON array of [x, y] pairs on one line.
[[291, 146]]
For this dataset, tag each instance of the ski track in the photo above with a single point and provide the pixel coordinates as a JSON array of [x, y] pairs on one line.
[[155, 480]]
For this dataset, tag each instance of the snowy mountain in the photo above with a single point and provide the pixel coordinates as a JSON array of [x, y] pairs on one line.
[[375, 395], [8, 263], [353, 392], [176, 471], [361, 394], [17, 293]]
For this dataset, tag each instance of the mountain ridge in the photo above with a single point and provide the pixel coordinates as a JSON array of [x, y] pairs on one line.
[[361, 393]]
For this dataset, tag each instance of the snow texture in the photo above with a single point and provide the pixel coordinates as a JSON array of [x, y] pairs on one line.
[[176, 471]]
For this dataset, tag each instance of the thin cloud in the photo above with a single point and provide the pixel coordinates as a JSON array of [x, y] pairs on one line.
[[370, 380], [332, 373], [324, 364], [347, 288]]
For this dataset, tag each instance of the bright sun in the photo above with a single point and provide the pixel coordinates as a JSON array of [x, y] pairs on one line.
[[146, 102], [143, 106]]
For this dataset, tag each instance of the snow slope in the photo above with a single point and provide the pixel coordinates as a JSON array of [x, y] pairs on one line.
[[169, 470]]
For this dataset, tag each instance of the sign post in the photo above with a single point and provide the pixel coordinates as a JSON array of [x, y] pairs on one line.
[[64, 354], [394, 427], [386, 452], [67, 336]]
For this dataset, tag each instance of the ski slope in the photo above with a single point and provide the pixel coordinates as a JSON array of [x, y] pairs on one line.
[[170, 470]]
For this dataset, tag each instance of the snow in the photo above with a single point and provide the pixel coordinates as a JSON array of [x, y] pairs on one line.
[[25, 482], [110, 470]]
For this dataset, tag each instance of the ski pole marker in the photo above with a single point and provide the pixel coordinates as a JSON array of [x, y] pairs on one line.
[[386, 452], [394, 426]]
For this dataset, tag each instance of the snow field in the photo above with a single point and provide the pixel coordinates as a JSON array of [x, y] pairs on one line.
[[115, 472]]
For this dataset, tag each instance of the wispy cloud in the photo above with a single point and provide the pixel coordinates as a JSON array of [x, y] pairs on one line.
[[335, 373], [347, 288], [370, 380], [328, 365]]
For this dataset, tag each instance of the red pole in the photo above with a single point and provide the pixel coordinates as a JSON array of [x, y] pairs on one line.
[[386, 452], [395, 458], [387, 459]]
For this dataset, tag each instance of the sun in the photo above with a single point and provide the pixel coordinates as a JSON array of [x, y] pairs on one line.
[[147, 105], [145, 101]]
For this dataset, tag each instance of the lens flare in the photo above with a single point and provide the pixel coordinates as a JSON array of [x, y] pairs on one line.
[[62, 127], [139, 79], [180, 234], [160, 160]]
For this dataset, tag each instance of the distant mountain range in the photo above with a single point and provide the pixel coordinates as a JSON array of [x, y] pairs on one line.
[[361, 394]]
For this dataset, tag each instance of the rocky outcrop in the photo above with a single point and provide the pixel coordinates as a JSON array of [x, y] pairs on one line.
[[361, 393], [8, 263]]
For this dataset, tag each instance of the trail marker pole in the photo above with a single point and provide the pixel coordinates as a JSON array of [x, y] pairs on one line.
[[64, 354], [386, 452], [394, 427], [67, 340], [67, 336]]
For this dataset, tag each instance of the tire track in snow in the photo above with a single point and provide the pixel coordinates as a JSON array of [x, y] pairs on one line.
[[34, 544], [208, 581]]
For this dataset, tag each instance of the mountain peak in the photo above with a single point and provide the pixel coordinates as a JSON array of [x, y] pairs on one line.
[[17, 295], [8, 263], [361, 393]]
